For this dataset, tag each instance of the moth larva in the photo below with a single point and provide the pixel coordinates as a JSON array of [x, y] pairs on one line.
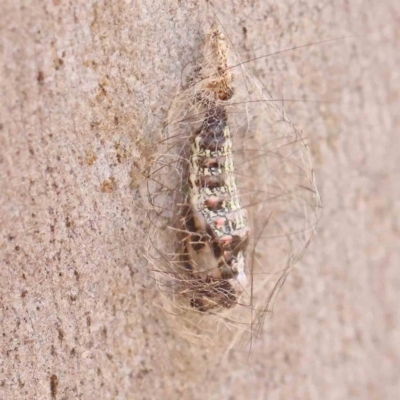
[[231, 164], [216, 223]]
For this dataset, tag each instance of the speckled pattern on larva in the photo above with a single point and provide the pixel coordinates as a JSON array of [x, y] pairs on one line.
[[213, 189], [218, 220]]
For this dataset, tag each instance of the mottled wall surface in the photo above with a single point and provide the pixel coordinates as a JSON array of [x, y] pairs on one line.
[[85, 88]]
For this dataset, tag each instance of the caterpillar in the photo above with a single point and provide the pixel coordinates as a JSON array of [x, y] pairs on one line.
[[233, 190], [215, 221]]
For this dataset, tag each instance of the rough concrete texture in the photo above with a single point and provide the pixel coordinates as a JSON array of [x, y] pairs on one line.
[[85, 87]]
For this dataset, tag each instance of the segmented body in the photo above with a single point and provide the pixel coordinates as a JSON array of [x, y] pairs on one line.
[[216, 223], [230, 160]]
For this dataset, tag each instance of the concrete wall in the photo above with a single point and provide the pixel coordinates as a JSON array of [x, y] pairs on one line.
[[85, 87]]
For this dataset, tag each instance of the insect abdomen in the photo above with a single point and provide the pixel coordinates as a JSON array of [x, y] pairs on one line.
[[215, 206], [213, 190]]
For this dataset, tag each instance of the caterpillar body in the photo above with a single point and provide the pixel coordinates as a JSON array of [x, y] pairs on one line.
[[232, 192], [216, 223]]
